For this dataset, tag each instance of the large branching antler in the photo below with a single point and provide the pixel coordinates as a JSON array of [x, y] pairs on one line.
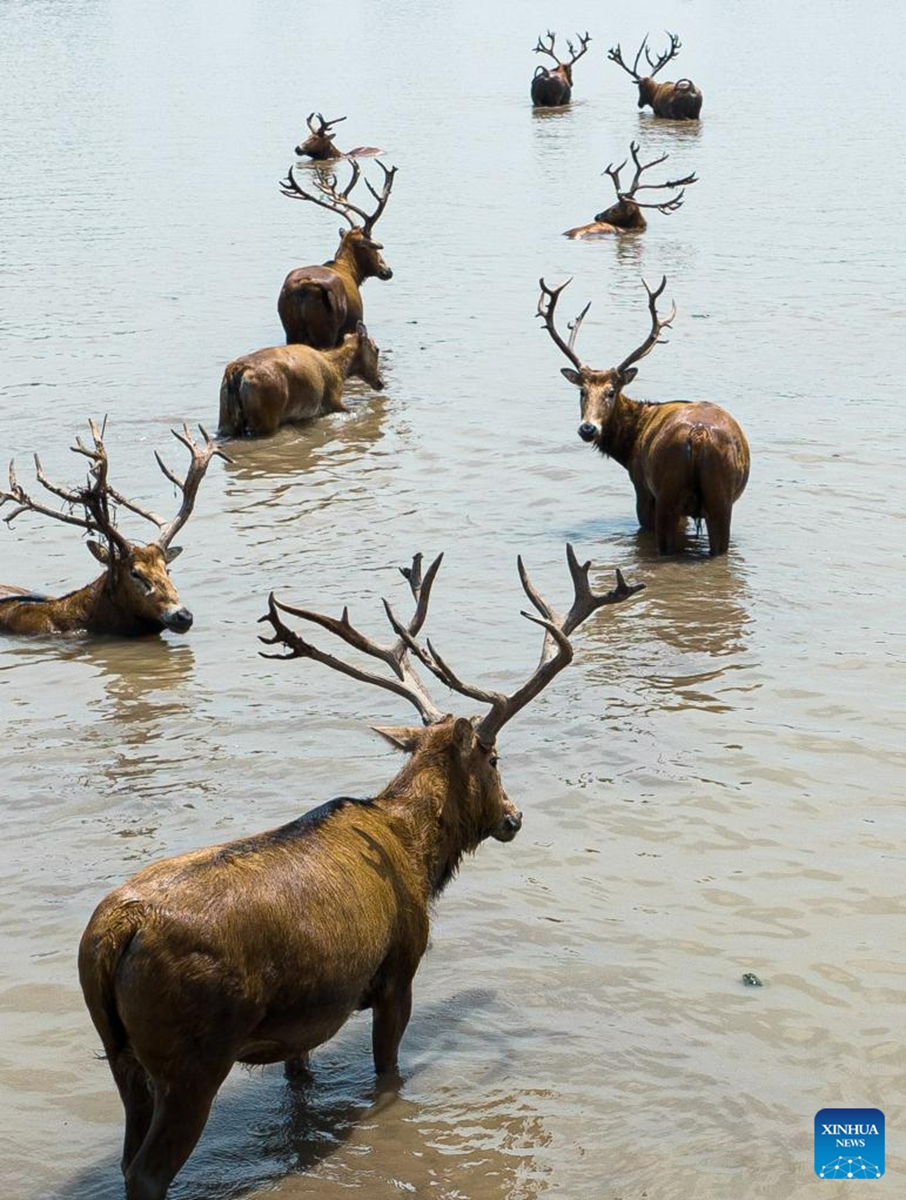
[[662, 59], [657, 325], [630, 194], [584, 39], [324, 126], [549, 48], [98, 497], [337, 201], [547, 303], [556, 652], [405, 682]]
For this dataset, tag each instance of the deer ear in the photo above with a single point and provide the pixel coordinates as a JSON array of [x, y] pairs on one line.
[[99, 551], [342, 232], [628, 374], [400, 737], [172, 552], [571, 375], [463, 735], [360, 329]]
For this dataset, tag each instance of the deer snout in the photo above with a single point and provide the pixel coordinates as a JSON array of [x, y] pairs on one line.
[[179, 620], [385, 273], [587, 431], [509, 827]]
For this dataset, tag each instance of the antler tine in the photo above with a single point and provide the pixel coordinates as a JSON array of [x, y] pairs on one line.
[[330, 198], [382, 198], [25, 503], [546, 313], [614, 173], [635, 65], [657, 325], [201, 457], [549, 50], [325, 125], [308, 122], [556, 651], [640, 167], [410, 689]]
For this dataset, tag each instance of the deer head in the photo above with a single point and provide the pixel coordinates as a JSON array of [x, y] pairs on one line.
[[365, 362], [600, 391], [319, 143], [626, 211]]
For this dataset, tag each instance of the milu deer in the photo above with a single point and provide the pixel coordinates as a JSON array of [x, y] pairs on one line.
[[625, 216], [552, 87], [318, 305], [259, 950], [319, 145], [269, 388], [135, 595], [685, 458], [678, 101]]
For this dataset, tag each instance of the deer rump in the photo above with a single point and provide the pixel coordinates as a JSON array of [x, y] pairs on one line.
[[256, 951], [313, 308], [549, 88], [271, 387]]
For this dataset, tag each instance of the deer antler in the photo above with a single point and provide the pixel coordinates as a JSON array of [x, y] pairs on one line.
[[549, 49], [406, 682], [555, 655], [636, 186], [616, 55], [662, 59], [657, 325], [584, 39], [546, 313], [322, 130], [338, 201]]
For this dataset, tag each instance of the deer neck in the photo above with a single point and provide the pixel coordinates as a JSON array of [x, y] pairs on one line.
[[98, 608], [633, 218], [427, 803], [344, 358], [620, 435], [346, 261]]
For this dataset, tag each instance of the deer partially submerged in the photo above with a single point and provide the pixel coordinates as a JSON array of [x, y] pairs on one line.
[[552, 87], [319, 145], [685, 458], [272, 387], [625, 216], [319, 304], [681, 100], [259, 950], [135, 595]]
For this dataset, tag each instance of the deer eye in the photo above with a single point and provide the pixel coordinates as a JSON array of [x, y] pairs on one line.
[[494, 760], [140, 579]]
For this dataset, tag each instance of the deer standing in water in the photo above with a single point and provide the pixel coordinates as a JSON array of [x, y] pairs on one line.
[[135, 595], [685, 458], [552, 87], [319, 143], [259, 950], [678, 101], [319, 304], [626, 215], [270, 388]]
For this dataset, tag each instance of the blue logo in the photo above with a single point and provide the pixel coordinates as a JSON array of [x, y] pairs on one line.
[[849, 1143]]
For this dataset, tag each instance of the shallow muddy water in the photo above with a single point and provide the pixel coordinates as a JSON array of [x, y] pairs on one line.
[[716, 786]]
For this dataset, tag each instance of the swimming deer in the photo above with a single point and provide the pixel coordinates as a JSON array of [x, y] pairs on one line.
[[319, 146], [259, 950], [685, 458], [677, 101], [626, 215], [135, 595], [269, 388], [318, 305], [552, 87]]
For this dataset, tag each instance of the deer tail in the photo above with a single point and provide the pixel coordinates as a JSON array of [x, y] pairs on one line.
[[104, 943], [232, 416]]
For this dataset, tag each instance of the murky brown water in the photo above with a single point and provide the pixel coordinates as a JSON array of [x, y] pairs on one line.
[[715, 787]]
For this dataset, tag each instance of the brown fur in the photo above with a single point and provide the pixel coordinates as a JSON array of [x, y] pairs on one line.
[[272, 387], [677, 101], [134, 596], [552, 86], [685, 459], [318, 305], [259, 950]]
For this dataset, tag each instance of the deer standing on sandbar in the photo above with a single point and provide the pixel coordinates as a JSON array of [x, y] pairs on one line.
[[685, 458], [552, 87], [259, 950], [319, 146], [269, 388], [135, 596], [677, 101], [625, 216], [319, 304]]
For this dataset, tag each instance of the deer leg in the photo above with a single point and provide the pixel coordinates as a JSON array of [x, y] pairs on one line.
[[180, 1115], [298, 1069], [644, 507], [138, 1100], [718, 525], [670, 527], [390, 1016]]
